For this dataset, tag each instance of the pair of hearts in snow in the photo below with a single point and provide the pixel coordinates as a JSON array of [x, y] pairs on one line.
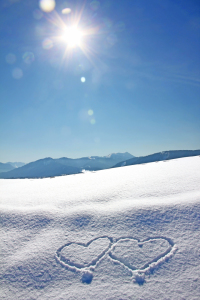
[[139, 257]]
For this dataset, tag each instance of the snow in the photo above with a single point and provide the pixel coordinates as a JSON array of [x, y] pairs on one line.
[[123, 233]]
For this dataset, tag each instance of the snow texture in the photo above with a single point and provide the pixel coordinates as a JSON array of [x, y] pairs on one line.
[[124, 233]]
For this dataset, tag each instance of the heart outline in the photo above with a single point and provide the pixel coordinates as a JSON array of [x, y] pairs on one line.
[[90, 266], [140, 244], [137, 274]]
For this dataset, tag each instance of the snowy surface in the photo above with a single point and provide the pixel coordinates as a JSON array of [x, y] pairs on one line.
[[124, 233]]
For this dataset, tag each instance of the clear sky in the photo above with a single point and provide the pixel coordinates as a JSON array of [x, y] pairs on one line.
[[98, 77]]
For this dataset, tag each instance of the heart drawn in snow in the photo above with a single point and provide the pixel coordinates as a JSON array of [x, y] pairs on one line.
[[139, 255], [80, 255]]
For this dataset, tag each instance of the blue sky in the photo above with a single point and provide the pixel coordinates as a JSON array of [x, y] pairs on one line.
[[140, 62]]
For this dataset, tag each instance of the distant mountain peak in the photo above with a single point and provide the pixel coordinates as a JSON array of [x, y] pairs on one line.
[[125, 155]]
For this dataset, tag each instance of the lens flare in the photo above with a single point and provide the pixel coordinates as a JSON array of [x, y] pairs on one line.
[[93, 121], [47, 44], [66, 11], [28, 57], [47, 5], [94, 5], [90, 112]]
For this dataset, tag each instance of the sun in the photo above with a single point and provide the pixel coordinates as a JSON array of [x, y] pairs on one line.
[[72, 36], [71, 33]]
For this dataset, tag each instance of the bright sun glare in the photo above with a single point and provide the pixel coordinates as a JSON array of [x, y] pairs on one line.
[[72, 36]]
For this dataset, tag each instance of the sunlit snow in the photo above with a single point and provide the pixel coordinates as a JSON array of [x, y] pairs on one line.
[[123, 233]]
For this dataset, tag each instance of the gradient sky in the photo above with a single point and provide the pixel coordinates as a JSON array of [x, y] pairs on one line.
[[141, 66]]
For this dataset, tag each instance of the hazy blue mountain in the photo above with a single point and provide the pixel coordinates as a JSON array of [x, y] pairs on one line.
[[94, 163], [48, 167], [5, 167], [165, 155], [16, 164]]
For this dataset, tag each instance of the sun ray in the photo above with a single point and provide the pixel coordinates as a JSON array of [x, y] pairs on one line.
[[55, 19], [72, 33]]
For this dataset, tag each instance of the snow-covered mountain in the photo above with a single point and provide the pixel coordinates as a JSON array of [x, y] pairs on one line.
[[94, 163], [122, 233], [118, 156], [164, 155], [48, 167]]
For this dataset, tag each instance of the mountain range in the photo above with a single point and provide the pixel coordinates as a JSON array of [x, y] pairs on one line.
[[49, 167]]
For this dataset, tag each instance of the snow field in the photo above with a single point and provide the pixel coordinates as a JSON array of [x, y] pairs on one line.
[[126, 233]]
